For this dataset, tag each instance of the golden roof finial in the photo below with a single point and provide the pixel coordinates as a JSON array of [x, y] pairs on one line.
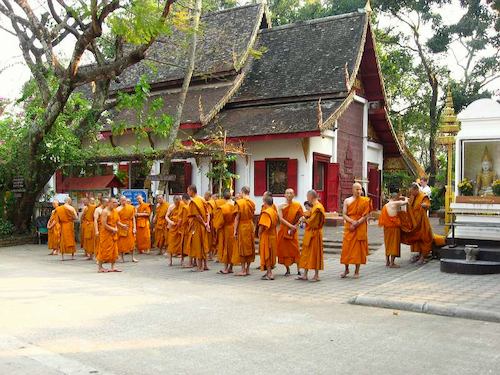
[[368, 7], [449, 125]]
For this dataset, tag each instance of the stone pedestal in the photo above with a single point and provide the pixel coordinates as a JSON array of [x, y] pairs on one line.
[[477, 214]]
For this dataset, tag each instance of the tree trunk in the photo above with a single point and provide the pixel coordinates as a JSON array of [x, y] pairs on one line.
[[172, 136]]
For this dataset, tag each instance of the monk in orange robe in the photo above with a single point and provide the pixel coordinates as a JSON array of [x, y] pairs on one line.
[[268, 244], [66, 215], [160, 224], [143, 234], [87, 225], [223, 224], [391, 222], [183, 227], [108, 237], [198, 229], [288, 237], [174, 223], [103, 202], [211, 235], [218, 227], [356, 210], [312, 243], [54, 235], [420, 236], [244, 230], [126, 233]]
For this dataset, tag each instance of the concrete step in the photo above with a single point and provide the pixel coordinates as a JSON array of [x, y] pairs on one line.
[[461, 266], [490, 254]]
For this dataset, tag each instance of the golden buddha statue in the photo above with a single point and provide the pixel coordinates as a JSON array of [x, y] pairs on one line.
[[486, 176]]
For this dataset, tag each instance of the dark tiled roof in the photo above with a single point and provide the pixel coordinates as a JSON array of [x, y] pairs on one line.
[[223, 45], [200, 100], [306, 58], [271, 119]]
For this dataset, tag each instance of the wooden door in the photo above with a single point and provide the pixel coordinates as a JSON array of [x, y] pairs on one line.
[[374, 185]]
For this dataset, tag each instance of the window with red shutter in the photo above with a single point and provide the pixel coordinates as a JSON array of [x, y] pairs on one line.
[[259, 177]]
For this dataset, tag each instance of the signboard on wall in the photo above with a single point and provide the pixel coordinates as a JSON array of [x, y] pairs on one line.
[[132, 194]]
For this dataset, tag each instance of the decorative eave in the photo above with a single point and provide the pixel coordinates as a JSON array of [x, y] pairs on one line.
[[352, 78]]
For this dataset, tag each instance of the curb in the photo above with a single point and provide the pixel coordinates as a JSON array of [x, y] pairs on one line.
[[427, 308]]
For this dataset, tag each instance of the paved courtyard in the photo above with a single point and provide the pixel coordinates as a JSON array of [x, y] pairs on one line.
[[64, 318]]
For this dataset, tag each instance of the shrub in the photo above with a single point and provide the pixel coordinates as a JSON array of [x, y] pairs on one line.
[[6, 228]]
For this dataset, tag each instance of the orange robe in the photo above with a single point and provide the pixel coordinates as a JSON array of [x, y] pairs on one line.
[[218, 228], [126, 238], [288, 244], [54, 236], [420, 235], [184, 226], [197, 236], [88, 232], [143, 232], [67, 221], [227, 243], [245, 242], [355, 243], [108, 241], [211, 235], [312, 243], [161, 225], [392, 233], [268, 244], [175, 232]]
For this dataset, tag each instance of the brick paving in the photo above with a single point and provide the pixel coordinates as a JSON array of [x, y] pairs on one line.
[[409, 284]]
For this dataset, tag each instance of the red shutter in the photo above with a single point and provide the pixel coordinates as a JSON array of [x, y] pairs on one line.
[[292, 171], [374, 186], [332, 188], [259, 177], [188, 171], [59, 182]]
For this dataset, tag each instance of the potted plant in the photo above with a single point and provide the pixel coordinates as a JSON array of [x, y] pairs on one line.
[[496, 188], [465, 187]]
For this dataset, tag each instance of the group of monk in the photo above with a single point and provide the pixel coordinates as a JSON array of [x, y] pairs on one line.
[[199, 229]]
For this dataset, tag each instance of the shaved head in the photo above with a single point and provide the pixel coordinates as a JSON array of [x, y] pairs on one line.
[[289, 195], [245, 190], [357, 190]]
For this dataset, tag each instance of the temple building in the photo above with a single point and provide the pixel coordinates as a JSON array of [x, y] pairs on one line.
[[306, 100]]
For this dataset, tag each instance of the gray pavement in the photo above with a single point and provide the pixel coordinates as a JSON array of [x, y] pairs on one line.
[[64, 318]]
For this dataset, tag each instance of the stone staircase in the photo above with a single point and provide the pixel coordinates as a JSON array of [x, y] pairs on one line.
[[453, 259]]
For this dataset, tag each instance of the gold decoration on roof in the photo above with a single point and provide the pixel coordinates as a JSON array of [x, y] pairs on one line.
[[368, 7], [448, 122]]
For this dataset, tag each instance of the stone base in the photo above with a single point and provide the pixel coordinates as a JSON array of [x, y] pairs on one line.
[[478, 267], [489, 253]]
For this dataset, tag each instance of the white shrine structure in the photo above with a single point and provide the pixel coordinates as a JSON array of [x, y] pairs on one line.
[[478, 160]]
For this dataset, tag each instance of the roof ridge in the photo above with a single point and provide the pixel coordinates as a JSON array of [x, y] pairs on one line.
[[313, 21], [217, 12]]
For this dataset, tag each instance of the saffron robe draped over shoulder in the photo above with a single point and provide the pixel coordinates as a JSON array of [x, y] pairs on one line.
[[245, 242], [54, 235], [184, 226], [65, 216], [175, 231], [197, 236], [108, 241], [143, 231], [126, 238], [355, 243], [288, 244], [218, 228], [88, 232], [268, 244], [210, 204], [161, 225], [312, 243], [420, 236], [226, 240], [392, 232]]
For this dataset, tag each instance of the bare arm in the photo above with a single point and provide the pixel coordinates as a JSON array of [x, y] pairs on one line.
[[96, 217], [169, 211], [344, 214]]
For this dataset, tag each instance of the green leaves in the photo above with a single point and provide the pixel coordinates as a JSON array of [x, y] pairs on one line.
[[139, 21]]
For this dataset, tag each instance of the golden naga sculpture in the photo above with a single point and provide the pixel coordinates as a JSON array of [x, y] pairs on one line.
[[486, 176]]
